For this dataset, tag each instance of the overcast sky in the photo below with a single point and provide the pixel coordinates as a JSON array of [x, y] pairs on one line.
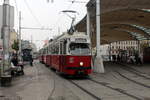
[[39, 13]]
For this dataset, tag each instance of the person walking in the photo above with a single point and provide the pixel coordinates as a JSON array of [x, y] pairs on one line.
[[31, 60]]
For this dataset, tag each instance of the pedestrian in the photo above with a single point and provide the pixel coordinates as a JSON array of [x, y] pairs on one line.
[[114, 58], [14, 63], [118, 58], [17, 67], [14, 60], [140, 59], [31, 60], [136, 58], [132, 59]]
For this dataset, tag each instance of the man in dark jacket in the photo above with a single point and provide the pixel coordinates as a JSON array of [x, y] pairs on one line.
[[14, 60], [17, 65]]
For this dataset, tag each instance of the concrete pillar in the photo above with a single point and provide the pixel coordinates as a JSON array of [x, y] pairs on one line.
[[98, 66], [6, 35]]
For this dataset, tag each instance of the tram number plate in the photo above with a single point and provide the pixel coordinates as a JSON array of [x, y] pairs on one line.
[[80, 40], [80, 71]]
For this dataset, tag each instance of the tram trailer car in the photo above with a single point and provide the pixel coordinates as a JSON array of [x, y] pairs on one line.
[[41, 59], [41, 56], [70, 54], [26, 54]]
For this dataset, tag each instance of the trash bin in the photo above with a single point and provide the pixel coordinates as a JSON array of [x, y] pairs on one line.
[[5, 80]]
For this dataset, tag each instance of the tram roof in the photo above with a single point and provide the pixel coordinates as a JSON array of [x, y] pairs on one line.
[[75, 34], [120, 20]]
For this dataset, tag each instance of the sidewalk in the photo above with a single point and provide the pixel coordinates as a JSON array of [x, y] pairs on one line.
[[36, 84]]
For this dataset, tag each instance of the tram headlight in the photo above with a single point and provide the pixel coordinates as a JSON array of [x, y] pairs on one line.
[[81, 63]]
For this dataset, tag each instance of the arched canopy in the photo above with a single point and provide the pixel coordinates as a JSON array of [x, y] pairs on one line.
[[120, 25], [129, 28], [112, 5], [127, 16]]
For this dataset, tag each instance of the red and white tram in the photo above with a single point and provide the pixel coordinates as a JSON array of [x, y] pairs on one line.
[[68, 54]]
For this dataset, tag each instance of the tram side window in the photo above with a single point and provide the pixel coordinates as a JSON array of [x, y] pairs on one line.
[[47, 50], [50, 51], [61, 48], [53, 49], [64, 47], [57, 49]]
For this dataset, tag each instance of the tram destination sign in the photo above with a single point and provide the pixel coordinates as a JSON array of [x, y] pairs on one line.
[[80, 40]]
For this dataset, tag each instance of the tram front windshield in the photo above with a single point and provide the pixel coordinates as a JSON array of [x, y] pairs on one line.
[[79, 49]]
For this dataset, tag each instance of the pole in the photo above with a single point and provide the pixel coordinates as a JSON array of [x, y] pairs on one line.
[[110, 52], [19, 33], [59, 30], [88, 23], [139, 50], [5, 36], [99, 67], [31, 39]]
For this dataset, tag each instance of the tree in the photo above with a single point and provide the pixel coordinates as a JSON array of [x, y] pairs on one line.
[[15, 45]]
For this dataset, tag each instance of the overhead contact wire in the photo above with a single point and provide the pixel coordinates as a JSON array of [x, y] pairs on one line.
[[32, 12]]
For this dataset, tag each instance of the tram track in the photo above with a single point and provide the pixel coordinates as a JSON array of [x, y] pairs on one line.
[[107, 86], [139, 83], [124, 92], [85, 90], [102, 84], [115, 89], [77, 85], [134, 71]]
